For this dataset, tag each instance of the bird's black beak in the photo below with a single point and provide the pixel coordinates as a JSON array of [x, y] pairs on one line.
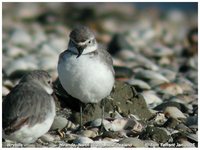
[[80, 50]]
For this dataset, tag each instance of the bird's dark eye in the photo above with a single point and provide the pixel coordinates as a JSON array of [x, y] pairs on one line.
[[90, 42], [49, 82]]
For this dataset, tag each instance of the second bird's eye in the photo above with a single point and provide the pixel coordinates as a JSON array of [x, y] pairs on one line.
[[90, 42]]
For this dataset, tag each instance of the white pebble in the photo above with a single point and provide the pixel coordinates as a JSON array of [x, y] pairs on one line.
[[47, 138], [151, 98], [139, 83], [174, 112], [83, 140], [97, 122], [20, 37]]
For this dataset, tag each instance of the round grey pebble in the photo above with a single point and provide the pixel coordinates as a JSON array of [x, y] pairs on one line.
[[47, 138], [59, 123], [82, 140]]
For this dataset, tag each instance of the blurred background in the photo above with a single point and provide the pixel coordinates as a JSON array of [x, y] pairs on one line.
[[138, 35]]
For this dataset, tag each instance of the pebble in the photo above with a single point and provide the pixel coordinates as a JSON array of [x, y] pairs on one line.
[[46, 63], [193, 137], [89, 133], [132, 142], [25, 38], [97, 122], [173, 103], [47, 138], [14, 51], [150, 143], [164, 61], [5, 91], [122, 72], [192, 121], [27, 11], [174, 112], [193, 62], [111, 135], [116, 115], [59, 44], [152, 77], [169, 88], [52, 145], [118, 43], [185, 143], [103, 144], [193, 76], [176, 16], [70, 137], [158, 134], [24, 63], [124, 124], [60, 123], [171, 123], [139, 84], [169, 74], [144, 62], [159, 119], [188, 97], [185, 84], [151, 98], [39, 36], [8, 84], [46, 49], [159, 50], [83, 140], [125, 54], [182, 128]]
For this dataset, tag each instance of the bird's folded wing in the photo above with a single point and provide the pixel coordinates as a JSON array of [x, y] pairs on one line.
[[107, 58], [15, 125], [24, 105]]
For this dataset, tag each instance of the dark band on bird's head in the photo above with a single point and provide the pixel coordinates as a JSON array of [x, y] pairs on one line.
[[81, 34]]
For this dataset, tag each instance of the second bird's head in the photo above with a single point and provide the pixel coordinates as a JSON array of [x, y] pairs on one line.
[[82, 41]]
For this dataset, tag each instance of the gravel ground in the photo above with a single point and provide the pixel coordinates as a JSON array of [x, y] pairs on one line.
[[155, 53]]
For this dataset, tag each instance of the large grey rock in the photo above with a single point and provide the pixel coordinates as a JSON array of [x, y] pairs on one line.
[[124, 98]]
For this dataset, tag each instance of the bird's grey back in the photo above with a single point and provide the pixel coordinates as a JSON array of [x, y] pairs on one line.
[[37, 75]]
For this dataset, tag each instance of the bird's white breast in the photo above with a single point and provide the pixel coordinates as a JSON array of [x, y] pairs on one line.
[[85, 78]]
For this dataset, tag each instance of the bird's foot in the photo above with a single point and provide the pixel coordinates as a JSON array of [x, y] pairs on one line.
[[80, 128], [101, 129]]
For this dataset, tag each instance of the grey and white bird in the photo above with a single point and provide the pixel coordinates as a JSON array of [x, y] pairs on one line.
[[85, 70], [29, 109]]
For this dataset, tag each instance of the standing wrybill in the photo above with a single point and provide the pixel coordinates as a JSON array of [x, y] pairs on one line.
[[85, 70]]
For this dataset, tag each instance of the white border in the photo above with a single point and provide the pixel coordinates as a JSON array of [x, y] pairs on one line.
[[84, 1], [99, 1]]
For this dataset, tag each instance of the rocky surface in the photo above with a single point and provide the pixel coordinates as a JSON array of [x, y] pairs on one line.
[[154, 102]]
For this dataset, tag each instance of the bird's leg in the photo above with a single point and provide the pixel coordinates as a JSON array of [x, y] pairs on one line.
[[102, 115], [103, 105], [81, 116]]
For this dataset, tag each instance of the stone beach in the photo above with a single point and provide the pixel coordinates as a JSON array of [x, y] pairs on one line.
[[154, 102]]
